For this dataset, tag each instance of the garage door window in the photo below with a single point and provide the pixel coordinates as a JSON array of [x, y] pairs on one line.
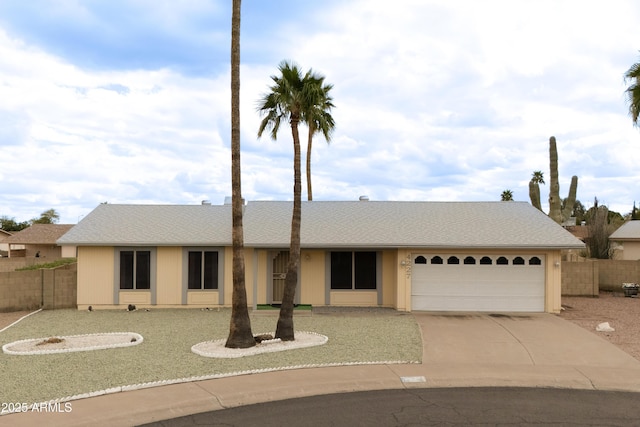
[[353, 270], [502, 261], [485, 260], [469, 260], [518, 261], [436, 260], [453, 260], [535, 261]]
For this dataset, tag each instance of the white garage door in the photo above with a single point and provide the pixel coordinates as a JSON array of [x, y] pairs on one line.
[[450, 282]]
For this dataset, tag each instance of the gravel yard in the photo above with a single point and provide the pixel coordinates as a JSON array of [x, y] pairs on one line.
[[622, 313], [166, 352]]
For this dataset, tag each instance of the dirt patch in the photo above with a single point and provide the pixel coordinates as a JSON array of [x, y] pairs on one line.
[[622, 313], [8, 318], [52, 340]]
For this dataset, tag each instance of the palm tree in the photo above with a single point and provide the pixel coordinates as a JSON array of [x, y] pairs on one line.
[[319, 120], [291, 98], [633, 92], [240, 335], [537, 177], [507, 196]]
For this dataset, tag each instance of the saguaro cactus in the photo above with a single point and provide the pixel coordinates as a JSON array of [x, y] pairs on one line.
[[571, 199], [534, 194], [556, 212]]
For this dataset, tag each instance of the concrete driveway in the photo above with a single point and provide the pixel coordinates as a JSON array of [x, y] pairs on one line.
[[520, 349]]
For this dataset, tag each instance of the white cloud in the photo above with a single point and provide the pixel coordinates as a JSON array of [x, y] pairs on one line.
[[434, 100]]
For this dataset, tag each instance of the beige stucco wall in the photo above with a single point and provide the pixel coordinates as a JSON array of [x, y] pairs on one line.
[[312, 277], [96, 279], [95, 276], [630, 250], [169, 277]]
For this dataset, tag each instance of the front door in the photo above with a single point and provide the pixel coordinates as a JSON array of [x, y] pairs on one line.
[[280, 262]]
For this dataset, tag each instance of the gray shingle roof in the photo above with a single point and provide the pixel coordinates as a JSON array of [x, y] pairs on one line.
[[150, 225], [407, 224], [630, 230], [328, 225]]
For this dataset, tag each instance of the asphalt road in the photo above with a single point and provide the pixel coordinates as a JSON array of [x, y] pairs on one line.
[[434, 407]]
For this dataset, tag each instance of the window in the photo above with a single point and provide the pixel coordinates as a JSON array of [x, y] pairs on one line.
[[453, 260], [203, 270], [502, 261], [420, 260], [135, 269], [535, 261], [485, 260], [469, 260], [353, 270], [436, 260], [518, 261]]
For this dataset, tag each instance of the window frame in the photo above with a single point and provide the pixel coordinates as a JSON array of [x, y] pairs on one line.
[[375, 274], [185, 272], [117, 268], [202, 273], [135, 273]]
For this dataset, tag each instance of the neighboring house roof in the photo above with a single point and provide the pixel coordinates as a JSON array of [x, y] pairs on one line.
[[630, 230], [580, 231], [4, 235], [39, 234], [327, 224]]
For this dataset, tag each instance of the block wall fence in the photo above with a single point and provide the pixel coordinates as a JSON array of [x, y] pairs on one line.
[[46, 288]]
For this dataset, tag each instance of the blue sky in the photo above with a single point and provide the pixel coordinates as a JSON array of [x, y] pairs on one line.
[[128, 101]]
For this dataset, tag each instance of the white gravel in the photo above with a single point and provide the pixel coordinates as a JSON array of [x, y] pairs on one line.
[[217, 348], [68, 344]]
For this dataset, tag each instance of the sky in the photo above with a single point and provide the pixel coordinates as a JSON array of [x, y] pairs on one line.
[[128, 101]]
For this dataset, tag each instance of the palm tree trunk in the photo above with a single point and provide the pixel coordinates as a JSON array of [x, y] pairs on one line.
[[240, 335], [309, 141], [284, 329]]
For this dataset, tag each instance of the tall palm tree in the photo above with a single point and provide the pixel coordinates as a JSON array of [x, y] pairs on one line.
[[291, 98], [240, 335], [319, 120], [633, 92]]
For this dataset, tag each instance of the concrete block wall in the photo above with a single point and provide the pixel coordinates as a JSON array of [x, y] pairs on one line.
[[613, 273], [580, 278], [20, 290], [29, 290], [12, 264]]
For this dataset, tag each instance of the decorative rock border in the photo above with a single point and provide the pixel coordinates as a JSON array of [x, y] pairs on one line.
[[217, 349], [73, 343]]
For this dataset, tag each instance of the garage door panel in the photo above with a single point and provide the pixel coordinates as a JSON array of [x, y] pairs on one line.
[[504, 304], [478, 287]]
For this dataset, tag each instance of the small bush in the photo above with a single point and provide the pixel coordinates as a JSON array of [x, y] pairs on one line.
[[59, 263]]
